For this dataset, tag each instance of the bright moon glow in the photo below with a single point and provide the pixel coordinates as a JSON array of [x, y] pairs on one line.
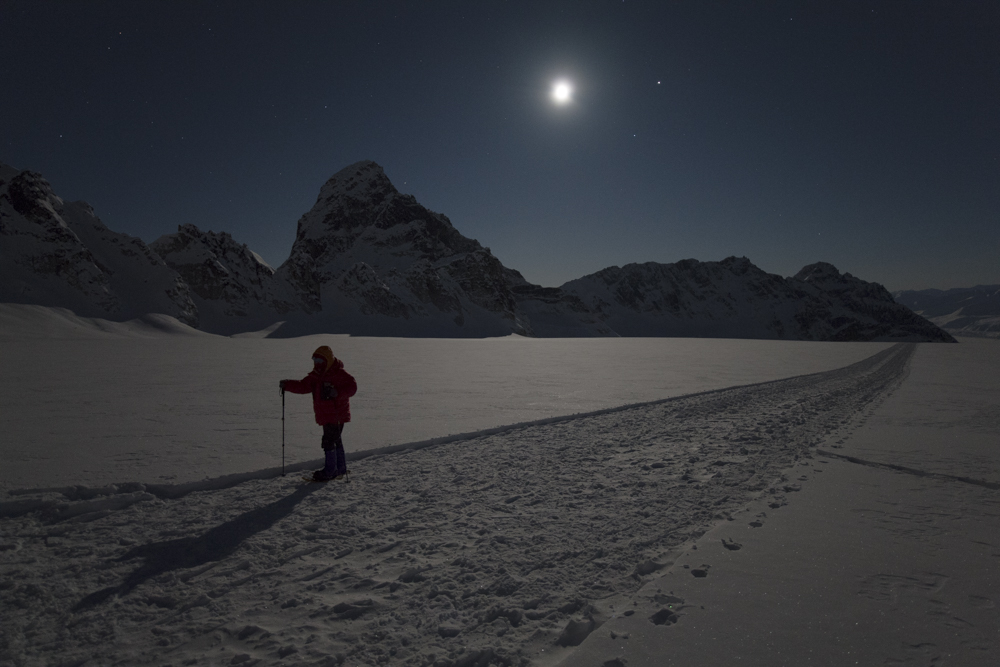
[[561, 92]]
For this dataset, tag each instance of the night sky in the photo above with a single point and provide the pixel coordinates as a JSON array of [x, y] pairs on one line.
[[865, 134]]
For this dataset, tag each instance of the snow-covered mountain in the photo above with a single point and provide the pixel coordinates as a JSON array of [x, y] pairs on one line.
[[735, 299], [367, 256], [853, 309], [368, 260], [233, 288], [962, 311], [553, 312], [56, 253]]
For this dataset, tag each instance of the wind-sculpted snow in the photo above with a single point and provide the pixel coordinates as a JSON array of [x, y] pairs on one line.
[[507, 549]]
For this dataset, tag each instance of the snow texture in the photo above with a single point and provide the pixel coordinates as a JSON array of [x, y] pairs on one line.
[[181, 408], [504, 549], [885, 553]]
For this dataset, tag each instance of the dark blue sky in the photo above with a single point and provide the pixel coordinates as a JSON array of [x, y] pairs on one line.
[[865, 134]]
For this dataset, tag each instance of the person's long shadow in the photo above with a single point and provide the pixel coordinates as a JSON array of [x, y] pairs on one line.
[[188, 552]]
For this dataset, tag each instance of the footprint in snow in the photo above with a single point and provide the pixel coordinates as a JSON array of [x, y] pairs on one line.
[[664, 617]]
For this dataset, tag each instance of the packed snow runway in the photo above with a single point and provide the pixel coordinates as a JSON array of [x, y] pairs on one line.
[[504, 549]]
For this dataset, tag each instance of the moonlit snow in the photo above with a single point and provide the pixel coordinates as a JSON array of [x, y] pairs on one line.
[[663, 501], [183, 407]]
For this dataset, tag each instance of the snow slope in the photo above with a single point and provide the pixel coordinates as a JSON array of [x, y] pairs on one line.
[[232, 287], [56, 253], [18, 322], [507, 549], [733, 298], [964, 311]]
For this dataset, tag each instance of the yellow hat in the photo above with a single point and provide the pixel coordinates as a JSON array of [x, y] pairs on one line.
[[325, 352]]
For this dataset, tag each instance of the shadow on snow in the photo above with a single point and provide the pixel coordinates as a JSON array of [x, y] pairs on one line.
[[188, 552]]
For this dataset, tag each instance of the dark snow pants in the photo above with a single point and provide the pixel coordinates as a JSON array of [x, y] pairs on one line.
[[333, 449], [331, 436]]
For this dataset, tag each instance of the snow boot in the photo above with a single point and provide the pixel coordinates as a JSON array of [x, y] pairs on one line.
[[321, 476], [341, 467], [329, 469]]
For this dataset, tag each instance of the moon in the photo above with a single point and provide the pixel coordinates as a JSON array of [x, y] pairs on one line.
[[562, 92]]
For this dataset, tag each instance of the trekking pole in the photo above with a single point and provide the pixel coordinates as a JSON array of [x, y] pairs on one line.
[[282, 431]]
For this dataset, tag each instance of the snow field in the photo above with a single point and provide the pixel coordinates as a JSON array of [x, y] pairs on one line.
[[115, 403], [886, 556], [507, 549]]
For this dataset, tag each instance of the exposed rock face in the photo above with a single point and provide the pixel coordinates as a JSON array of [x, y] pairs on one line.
[[374, 254], [553, 312], [233, 287], [368, 260], [962, 311], [858, 310], [735, 299], [57, 253]]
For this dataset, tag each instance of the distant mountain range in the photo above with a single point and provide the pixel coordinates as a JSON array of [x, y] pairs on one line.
[[368, 260], [963, 311]]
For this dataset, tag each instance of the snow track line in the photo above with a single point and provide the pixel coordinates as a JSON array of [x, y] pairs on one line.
[[912, 471], [174, 491], [498, 430], [513, 546]]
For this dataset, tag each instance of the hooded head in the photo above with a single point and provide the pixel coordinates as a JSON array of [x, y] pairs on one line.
[[326, 354]]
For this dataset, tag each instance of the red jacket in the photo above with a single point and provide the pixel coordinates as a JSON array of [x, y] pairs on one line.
[[336, 410]]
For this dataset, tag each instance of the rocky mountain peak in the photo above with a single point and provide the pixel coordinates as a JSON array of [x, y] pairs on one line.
[[353, 199], [60, 254], [368, 260], [360, 201], [31, 195], [227, 278], [361, 181], [734, 298], [360, 218], [819, 272], [827, 278], [207, 244], [738, 265]]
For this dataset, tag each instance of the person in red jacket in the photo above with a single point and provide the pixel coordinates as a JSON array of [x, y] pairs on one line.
[[331, 387]]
